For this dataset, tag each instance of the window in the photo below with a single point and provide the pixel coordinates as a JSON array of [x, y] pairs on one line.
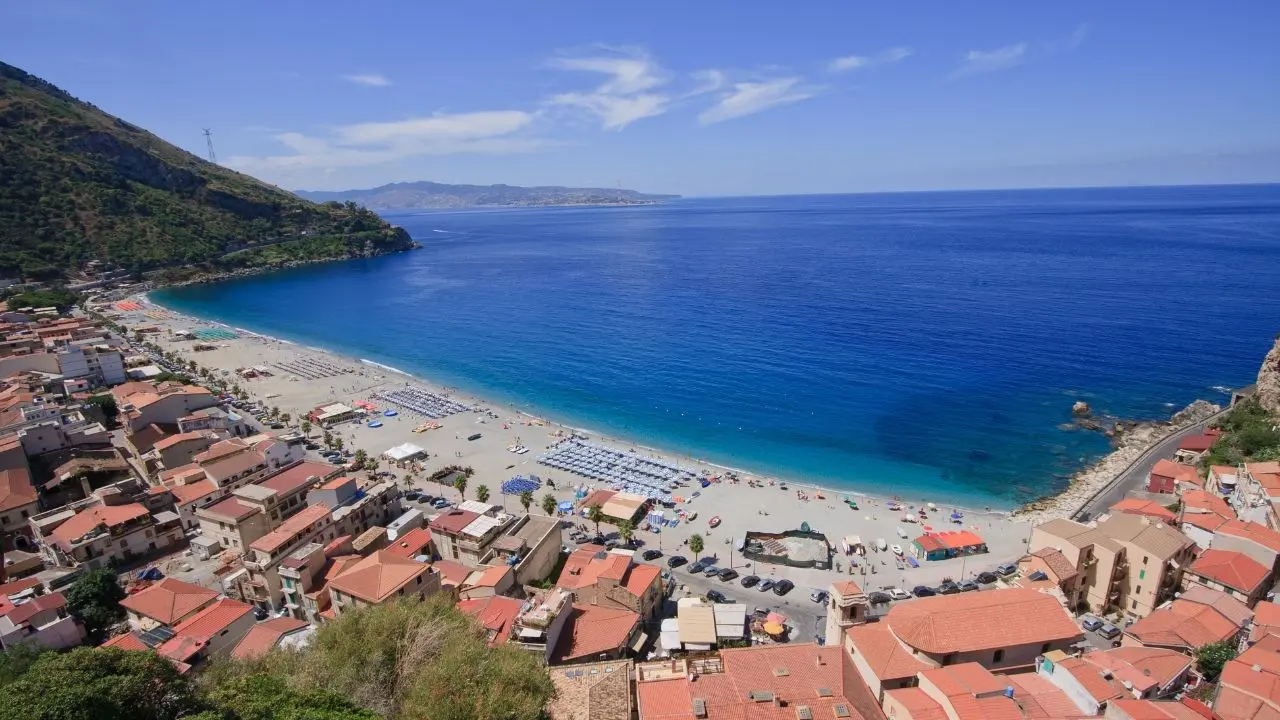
[[1133, 605], [1145, 558], [1044, 648], [1137, 590], [948, 659], [1142, 574], [998, 656], [25, 514]]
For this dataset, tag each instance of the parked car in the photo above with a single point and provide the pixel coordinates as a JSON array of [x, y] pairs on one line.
[[727, 574], [818, 596], [948, 588], [1090, 622], [782, 587], [968, 586], [259, 613], [651, 554], [676, 561], [986, 578], [898, 593], [440, 504], [923, 591], [427, 499], [1006, 569], [697, 568], [765, 585], [878, 598], [717, 597], [750, 581], [412, 495], [1109, 631], [710, 570]]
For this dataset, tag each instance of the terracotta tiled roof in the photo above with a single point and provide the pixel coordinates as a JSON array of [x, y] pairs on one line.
[[451, 573], [169, 601], [168, 442], [887, 657], [1266, 621], [1040, 698], [411, 544], [1230, 608], [981, 621], [127, 641], [1152, 536], [640, 578], [1183, 624], [1104, 673], [489, 577], [264, 636], [277, 538], [1232, 569], [29, 609], [972, 693], [191, 492], [231, 508], [221, 449], [918, 704], [214, 619], [379, 576], [297, 476], [1177, 471], [614, 567], [496, 613], [16, 586], [847, 587], [1156, 710], [16, 489], [581, 567], [86, 520], [593, 630], [1057, 562], [1198, 443], [453, 521], [1150, 508], [1261, 534], [1205, 510], [233, 465], [1248, 694]]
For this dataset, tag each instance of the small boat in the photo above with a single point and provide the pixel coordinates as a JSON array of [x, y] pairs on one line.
[[714, 521]]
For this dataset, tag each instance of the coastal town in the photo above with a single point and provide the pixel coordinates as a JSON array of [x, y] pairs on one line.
[[243, 491]]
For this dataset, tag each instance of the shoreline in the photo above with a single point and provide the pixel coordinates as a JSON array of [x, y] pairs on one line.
[[605, 438]]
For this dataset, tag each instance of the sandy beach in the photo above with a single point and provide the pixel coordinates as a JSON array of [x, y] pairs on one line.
[[740, 506]]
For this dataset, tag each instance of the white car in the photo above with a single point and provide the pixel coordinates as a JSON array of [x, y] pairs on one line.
[[898, 593], [897, 550]]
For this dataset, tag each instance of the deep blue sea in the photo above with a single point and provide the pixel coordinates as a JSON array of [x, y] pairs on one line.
[[924, 344]]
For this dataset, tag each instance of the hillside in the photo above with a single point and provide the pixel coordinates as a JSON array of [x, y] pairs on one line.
[[78, 184], [427, 195]]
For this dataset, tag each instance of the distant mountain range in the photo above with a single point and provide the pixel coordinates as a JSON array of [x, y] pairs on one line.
[[427, 195]]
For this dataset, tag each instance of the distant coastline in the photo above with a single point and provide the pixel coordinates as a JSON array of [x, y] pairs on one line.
[[399, 197]]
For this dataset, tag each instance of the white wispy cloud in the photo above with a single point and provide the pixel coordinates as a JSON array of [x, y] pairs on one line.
[[1003, 58], [370, 79], [748, 98], [859, 62], [494, 132], [627, 95]]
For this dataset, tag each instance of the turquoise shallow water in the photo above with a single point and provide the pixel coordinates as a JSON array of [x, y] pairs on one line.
[[923, 344]]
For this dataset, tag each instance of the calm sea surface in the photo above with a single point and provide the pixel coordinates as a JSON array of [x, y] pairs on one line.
[[925, 344]]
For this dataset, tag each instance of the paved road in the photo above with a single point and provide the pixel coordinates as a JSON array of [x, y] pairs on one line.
[[1134, 477]]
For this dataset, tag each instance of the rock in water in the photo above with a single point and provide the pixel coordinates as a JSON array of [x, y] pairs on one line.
[[1081, 409], [1195, 412]]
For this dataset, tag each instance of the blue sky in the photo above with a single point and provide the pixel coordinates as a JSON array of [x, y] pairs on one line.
[[697, 98]]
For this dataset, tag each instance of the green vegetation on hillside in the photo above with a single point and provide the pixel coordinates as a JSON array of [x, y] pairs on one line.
[[411, 659], [77, 184], [1248, 435]]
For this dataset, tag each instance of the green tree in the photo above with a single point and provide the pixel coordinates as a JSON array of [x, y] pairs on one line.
[[285, 418], [15, 660], [94, 599], [1211, 658], [482, 493], [106, 403], [460, 484], [99, 684], [526, 500], [549, 504], [595, 515], [696, 545], [328, 439], [409, 659], [337, 444], [261, 696], [361, 458], [627, 530], [306, 427]]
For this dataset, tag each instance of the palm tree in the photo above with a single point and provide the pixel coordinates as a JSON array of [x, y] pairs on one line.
[[328, 439], [548, 504], [361, 457], [627, 530], [285, 418], [460, 484], [696, 545], [306, 427], [337, 444], [372, 465], [482, 493], [595, 515], [526, 499], [409, 478]]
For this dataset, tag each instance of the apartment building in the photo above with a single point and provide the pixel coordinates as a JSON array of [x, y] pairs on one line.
[[102, 365], [95, 534], [379, 578]]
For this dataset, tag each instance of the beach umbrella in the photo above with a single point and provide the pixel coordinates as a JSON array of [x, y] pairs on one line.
[[956, 516], [773, 628], [777, 618]]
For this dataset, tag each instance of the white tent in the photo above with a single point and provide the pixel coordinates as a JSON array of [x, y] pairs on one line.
[[407, 451]]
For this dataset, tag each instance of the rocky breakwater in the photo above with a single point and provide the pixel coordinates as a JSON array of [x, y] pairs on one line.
[[1130, 440]]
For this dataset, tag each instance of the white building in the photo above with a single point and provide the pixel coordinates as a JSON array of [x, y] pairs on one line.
[[100, 362]]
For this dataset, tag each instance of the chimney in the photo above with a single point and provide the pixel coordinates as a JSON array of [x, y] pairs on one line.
[[818, 660]]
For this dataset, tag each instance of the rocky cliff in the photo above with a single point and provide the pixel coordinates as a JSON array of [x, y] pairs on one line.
[[1269, 381]]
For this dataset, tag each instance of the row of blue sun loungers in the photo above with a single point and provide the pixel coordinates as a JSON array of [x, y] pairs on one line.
[[625, 472], [311, 369], [423, 402]]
